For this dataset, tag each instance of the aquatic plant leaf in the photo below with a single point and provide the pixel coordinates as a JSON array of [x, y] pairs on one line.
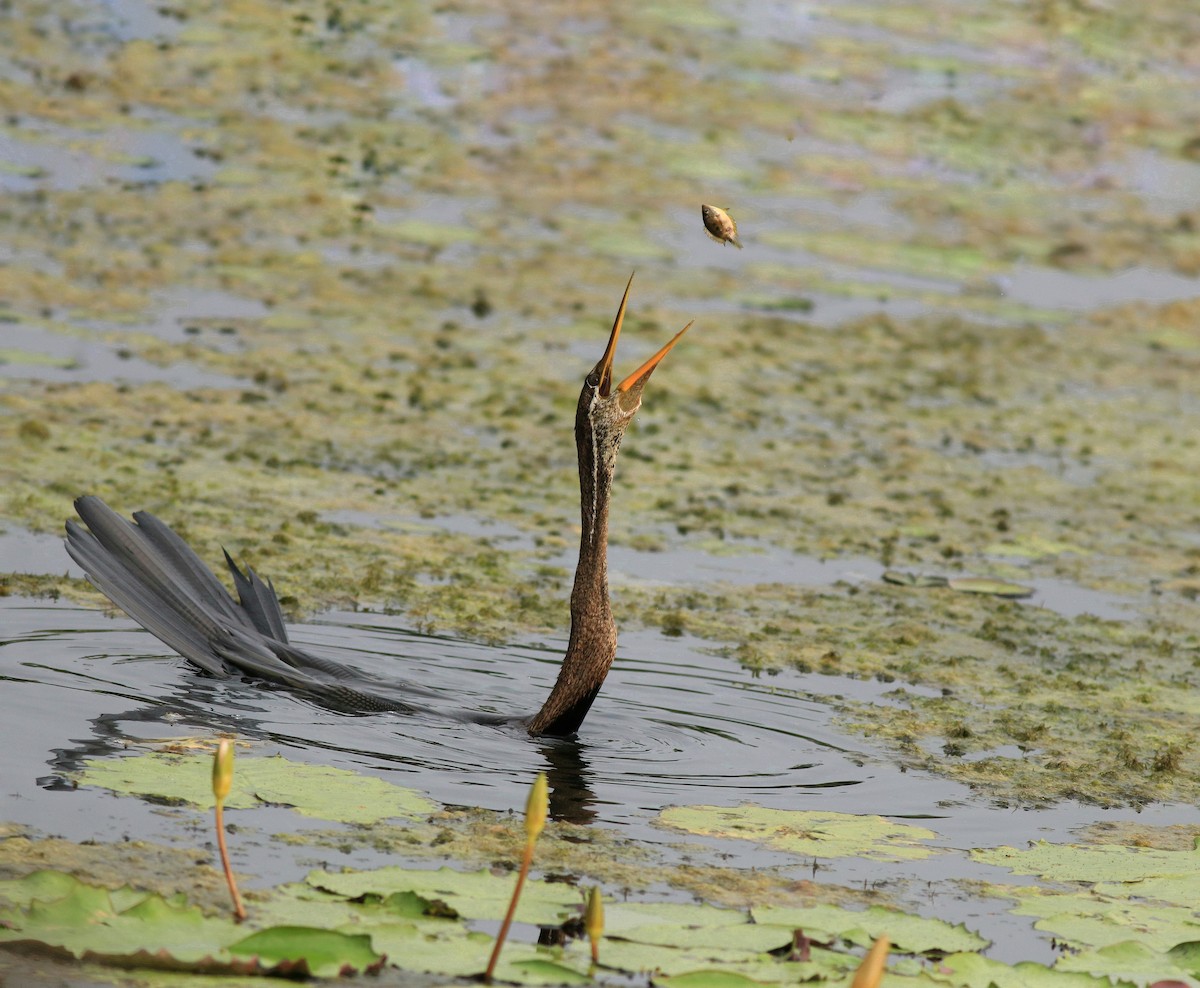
[[472, 894], [619, 918], [451, 949], [977, 971], [807, 832], [749, 937], [1086, 919], [1187, 956], [1177, 889], [323, 953], [1133, 868], [984, 585], [84, 921], [708, 979], [311, 790], [908, 933], [44, 884], [541, 971], [1133, 961], [901, 579]]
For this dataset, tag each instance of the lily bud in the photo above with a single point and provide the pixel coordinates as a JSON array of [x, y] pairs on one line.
[[222, 777], [537, 807]]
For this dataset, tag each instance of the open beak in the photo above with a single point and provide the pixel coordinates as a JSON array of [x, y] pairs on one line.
[[642, 374]]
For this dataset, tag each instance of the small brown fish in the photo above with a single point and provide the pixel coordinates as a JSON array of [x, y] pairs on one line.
[[719, 225]]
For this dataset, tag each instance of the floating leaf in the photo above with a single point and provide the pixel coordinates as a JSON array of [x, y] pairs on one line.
[[323, 953], [1085, 919], [1104, 863], [1133, 961], [708, 979], [913, 579], [908, 933], [473, 894], [975, 969], [311, 790], [86, 920], [450, 949], [807, 832], [982, 584], [540, 971]]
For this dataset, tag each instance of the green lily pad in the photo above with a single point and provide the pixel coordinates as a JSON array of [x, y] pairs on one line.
[[807, 832], [708, 979], [472, 894], [311, 790], [1133, 961], [322, 953], [1086, 919], [977, 970], [85, 920], [908, 933], [1104, 863]]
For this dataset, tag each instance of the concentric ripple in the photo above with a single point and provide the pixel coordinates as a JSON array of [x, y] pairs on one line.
[[674, 723]]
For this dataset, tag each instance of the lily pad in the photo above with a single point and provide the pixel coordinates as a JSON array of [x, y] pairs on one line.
[[472, 894], [1113, 863], [806, 832], [311, 790], [908, 933], [1087, 919], [1133, 961], [975, 969], [299, 949]]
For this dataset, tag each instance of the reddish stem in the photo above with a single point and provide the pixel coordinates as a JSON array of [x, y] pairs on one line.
[[512, 910], [239, 911]]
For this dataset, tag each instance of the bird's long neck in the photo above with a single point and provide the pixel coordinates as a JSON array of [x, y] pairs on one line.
[[593, 641]]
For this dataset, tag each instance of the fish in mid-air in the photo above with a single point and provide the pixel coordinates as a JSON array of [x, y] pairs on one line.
[[719, 225]]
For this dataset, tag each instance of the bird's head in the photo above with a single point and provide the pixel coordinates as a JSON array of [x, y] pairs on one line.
[[606, 409]]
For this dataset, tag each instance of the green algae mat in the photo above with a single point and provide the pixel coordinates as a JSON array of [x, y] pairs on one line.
[[270, 266]]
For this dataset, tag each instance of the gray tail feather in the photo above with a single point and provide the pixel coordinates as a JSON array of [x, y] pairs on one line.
[[148, 571]]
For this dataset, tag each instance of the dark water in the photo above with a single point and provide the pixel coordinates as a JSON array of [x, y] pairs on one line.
[[674, 724]]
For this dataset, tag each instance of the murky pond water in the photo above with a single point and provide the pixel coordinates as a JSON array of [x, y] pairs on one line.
[[674, 725]]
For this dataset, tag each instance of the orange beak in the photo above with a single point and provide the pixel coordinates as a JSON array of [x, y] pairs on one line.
[[642, 374]]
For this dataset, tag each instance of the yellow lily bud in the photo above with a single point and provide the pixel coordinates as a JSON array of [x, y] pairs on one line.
[[222, 777], [593, 920], [870, 971], [537, 807]]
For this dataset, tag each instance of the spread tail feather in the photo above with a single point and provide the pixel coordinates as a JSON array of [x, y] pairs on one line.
[[148, 571]]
